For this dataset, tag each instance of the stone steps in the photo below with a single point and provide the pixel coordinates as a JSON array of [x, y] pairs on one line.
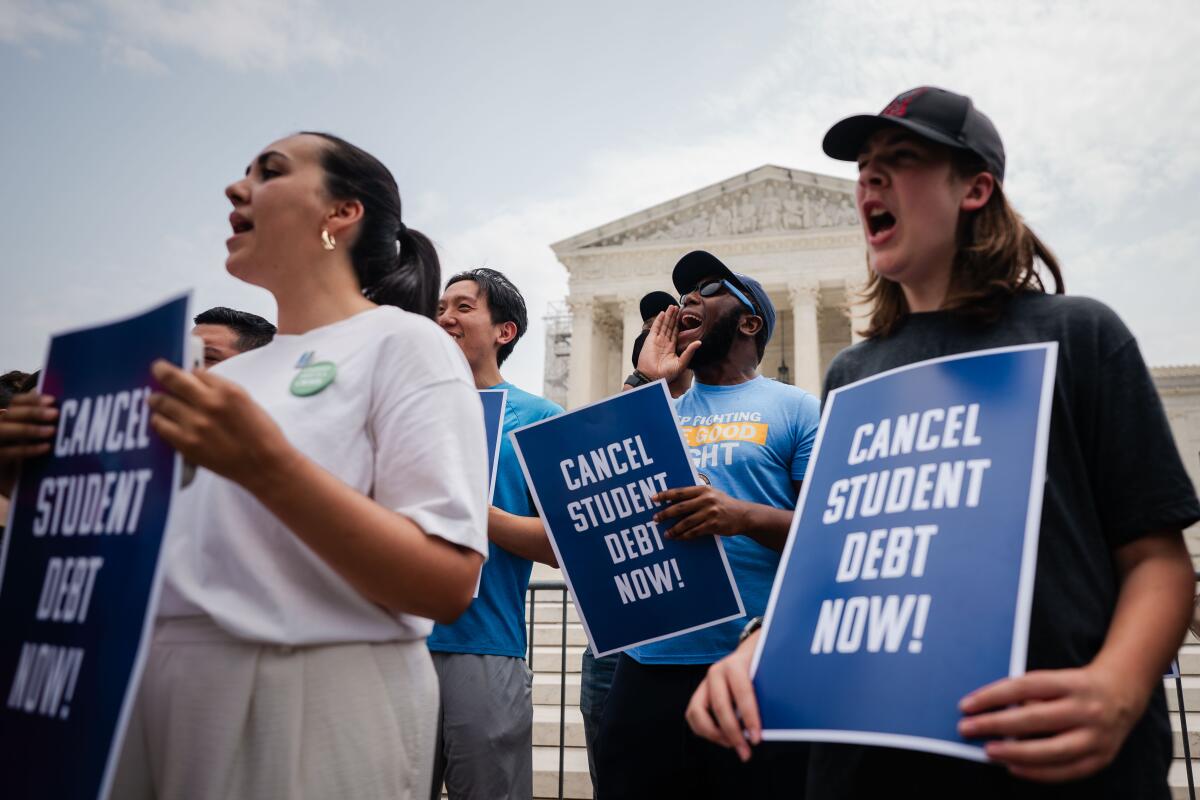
[[550, 611], [1177, 778], [577, 782], [549, 658], [1189, 659], [1191, 692], [547, 615], [545, 726], [550, 633], [1193, 729], [547, 686], [1189, 669]]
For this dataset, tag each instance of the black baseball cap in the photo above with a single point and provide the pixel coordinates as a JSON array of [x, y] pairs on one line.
[[700, 264], [931, 113], [655, 302]]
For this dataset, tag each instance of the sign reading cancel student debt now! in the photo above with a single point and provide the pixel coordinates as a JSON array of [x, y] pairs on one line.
[[908, 575], [593, 472], [78, 573]]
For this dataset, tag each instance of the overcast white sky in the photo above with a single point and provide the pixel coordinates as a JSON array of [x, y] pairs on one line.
[[513, 125]]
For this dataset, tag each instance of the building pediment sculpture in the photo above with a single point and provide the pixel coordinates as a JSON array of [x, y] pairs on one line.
[[765, 201]]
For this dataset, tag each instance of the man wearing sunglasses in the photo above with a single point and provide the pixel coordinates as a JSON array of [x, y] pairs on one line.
[[752, 437], [651, 305]]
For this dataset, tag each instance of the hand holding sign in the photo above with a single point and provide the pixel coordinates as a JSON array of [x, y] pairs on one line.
[[214, 423], [595, 473], [723, 708], [78, 569], [700, 511], [26, 427], [1078, 717], [912, 554]]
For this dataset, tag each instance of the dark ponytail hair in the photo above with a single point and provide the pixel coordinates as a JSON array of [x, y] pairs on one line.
[[395, 265]]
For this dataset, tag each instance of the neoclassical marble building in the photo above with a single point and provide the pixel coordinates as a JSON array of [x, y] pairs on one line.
[[796, 232]]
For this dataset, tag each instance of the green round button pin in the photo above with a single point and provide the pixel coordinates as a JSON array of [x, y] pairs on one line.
[[314, 378]]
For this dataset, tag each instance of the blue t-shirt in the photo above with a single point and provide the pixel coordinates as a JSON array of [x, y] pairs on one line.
[[494, 624], [751, 440]]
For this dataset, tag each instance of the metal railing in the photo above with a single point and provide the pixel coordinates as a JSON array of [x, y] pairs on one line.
[[561, 588], [1187, 748]]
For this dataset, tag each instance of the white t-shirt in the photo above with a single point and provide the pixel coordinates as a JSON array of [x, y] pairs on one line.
[[401, 422]]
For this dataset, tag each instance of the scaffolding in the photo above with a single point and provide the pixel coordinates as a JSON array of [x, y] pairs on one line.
[[558, 352]]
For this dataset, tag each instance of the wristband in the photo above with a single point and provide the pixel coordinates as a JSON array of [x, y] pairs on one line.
[[637, 379], [751, 626]]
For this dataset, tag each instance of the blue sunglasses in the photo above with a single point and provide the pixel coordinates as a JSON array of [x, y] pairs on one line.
[[712, 287]]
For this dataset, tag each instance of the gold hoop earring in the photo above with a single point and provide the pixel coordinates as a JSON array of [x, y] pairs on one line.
[[327, 241]]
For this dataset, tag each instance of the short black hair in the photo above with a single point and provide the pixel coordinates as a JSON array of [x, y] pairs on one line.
[[504, 300], [12, 382], [252, 330]]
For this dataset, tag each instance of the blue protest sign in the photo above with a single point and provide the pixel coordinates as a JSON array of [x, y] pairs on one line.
[[493, 424], [592, 473], [79, 569], [908, 575]]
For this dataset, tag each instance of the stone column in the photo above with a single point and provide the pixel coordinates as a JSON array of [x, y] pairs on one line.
[[857, 311], [806, 346], [579, 389], [631, 315]]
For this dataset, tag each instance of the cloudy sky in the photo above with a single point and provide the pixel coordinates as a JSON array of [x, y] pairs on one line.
[[513, 125]]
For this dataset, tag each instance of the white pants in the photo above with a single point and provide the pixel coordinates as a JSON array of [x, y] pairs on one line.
[[218, 718]]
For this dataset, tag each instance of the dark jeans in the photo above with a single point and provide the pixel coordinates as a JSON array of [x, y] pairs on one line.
[[595, 681], [646, 749]]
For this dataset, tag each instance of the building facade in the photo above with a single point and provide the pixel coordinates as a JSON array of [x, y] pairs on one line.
[[798, 234]]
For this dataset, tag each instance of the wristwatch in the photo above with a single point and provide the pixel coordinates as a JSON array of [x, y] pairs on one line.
[[751, 626], [637, 379]]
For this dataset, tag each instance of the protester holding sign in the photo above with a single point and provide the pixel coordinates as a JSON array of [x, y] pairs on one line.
[[953, 271], [485, 727], [750, 437], [596, 674], [339, 506]]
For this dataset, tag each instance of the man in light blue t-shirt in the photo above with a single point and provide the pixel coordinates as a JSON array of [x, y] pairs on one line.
[[485, 726], [750, 438]]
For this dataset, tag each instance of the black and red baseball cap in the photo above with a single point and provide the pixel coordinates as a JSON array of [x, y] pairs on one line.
[[931, 113]]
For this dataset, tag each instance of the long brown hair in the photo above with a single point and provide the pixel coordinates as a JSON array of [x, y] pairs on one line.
[[994, 261]]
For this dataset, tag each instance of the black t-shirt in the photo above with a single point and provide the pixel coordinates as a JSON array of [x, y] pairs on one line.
[[1113, 474]]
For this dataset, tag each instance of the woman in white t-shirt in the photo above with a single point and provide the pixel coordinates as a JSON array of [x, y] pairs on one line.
[[338, 508]]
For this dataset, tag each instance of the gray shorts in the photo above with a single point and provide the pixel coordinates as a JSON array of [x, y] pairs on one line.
[[485, 727]]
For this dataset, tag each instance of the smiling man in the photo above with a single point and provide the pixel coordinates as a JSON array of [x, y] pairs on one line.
[[485, 728], [754, 469]]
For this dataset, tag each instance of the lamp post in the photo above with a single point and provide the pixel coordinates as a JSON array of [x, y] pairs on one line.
[[783, 375]]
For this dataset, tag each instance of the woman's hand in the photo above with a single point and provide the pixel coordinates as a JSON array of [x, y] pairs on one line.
[[213, 423], [723, 708], [26, 428], [658, 358], [1075, 719]]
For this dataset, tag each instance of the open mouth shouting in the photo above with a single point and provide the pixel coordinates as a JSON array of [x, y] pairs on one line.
[[880, 222], [239, 224], [689, 326]]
